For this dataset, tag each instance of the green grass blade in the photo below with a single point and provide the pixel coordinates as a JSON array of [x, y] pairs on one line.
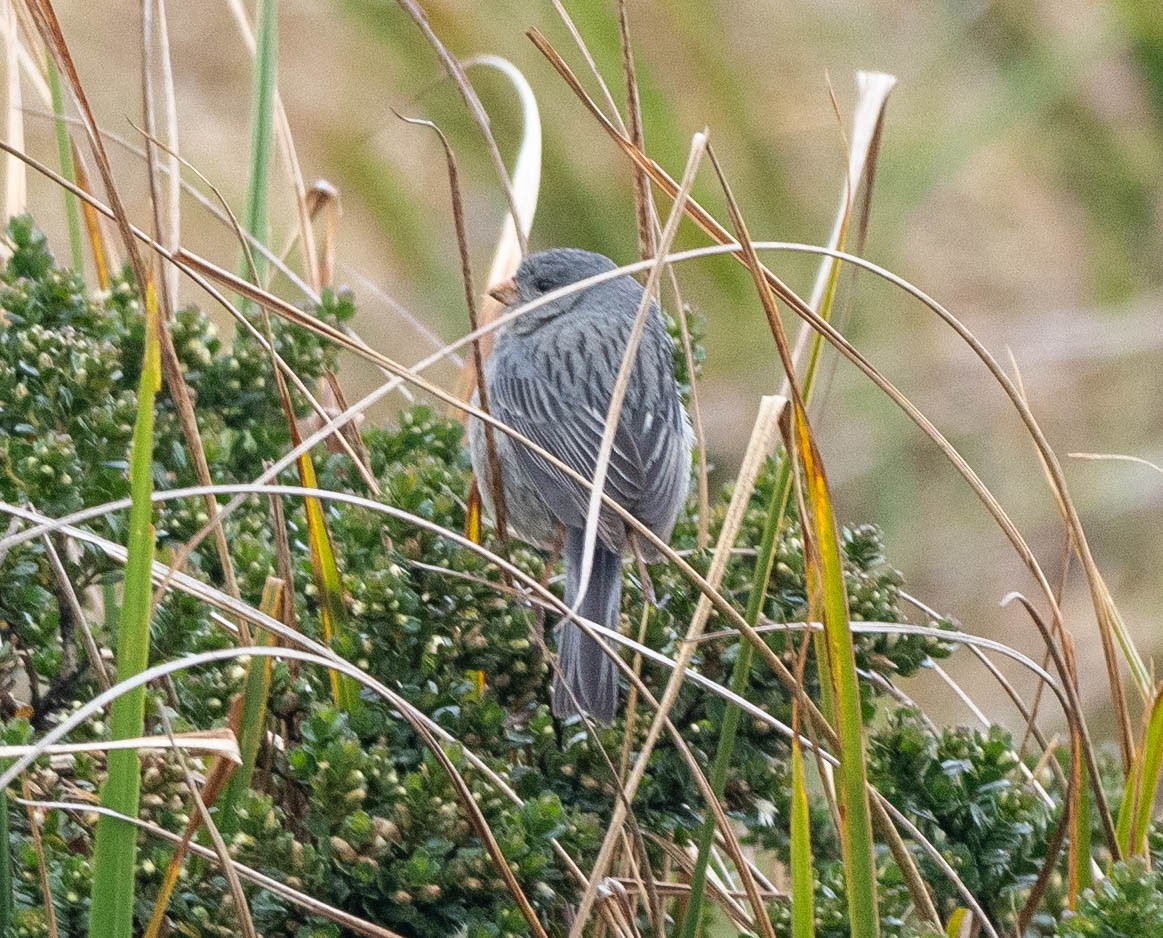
[[828, 275], [803, 901], [825, 568], [764, 562], [1127, 808], [261, 126], [1081, 879], [65, 155], [5, 867], [1147, 784], [111, 914]]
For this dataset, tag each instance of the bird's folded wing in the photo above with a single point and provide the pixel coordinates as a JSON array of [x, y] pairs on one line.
[[662, 432], [572, 431]]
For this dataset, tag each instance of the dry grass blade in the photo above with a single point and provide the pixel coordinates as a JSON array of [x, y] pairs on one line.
[[34, 824], [763, 438], [175, 380], [324, 567], [241, 906], [97, 244], [15, 176], [72, 603], [1072, 708], [726, 898], [221, 742], [883, 808], [30, 54], [1109, 621], [703, 520], [250, 246], [1046, 873], [323, 199], [46, 22], [513, 240], [873, 89], [475, 109], [835, 657], [1111, 627], [172, 233], [1117, 457], [643, 208], [478, 367], [626, 367], [971, 705]]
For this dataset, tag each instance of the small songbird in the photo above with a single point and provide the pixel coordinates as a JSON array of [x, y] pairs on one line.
[[551, 376]]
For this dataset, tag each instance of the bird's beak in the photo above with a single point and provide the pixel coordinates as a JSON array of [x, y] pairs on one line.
[[505, 292]]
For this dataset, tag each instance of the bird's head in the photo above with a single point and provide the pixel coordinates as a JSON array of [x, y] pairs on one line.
[[547, 271]]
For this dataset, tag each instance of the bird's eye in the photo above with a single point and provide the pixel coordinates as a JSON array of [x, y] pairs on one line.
[[542, 285]]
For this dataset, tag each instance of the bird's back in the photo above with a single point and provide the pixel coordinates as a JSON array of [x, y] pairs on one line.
[[555, 384]]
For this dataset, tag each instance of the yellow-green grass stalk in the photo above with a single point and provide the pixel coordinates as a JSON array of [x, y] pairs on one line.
[[958, 922], [803, 880], [253, 712], [1078, 877], [324, 568], [826, 575], [111, 913], [65, 156], [823, 300], [332, 611], [1142, 783], [827, 592]]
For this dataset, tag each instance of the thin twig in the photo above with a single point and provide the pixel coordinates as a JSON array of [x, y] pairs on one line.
[[496, 479], [642, 203], [476, 110]]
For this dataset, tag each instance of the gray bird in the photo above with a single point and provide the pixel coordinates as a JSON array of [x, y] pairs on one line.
[[551, 376]]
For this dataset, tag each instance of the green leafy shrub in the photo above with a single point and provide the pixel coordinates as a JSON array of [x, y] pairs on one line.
[[1129, 902], [964, 791], [351, 807]]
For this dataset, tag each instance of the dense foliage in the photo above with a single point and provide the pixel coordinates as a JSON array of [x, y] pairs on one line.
[[351, 807]]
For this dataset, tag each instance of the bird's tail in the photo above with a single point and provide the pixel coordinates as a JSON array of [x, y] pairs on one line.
[[587, 679]]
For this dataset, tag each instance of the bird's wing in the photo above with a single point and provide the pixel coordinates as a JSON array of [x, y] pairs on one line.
[[662, 432], [533, 405]]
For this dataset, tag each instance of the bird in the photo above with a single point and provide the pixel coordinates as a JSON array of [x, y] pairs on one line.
[[551, 376]]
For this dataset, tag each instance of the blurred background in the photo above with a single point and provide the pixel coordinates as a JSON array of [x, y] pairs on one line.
[[1020, 183]]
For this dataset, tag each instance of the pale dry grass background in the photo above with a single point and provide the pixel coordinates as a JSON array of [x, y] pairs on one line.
[[1020, 184]]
